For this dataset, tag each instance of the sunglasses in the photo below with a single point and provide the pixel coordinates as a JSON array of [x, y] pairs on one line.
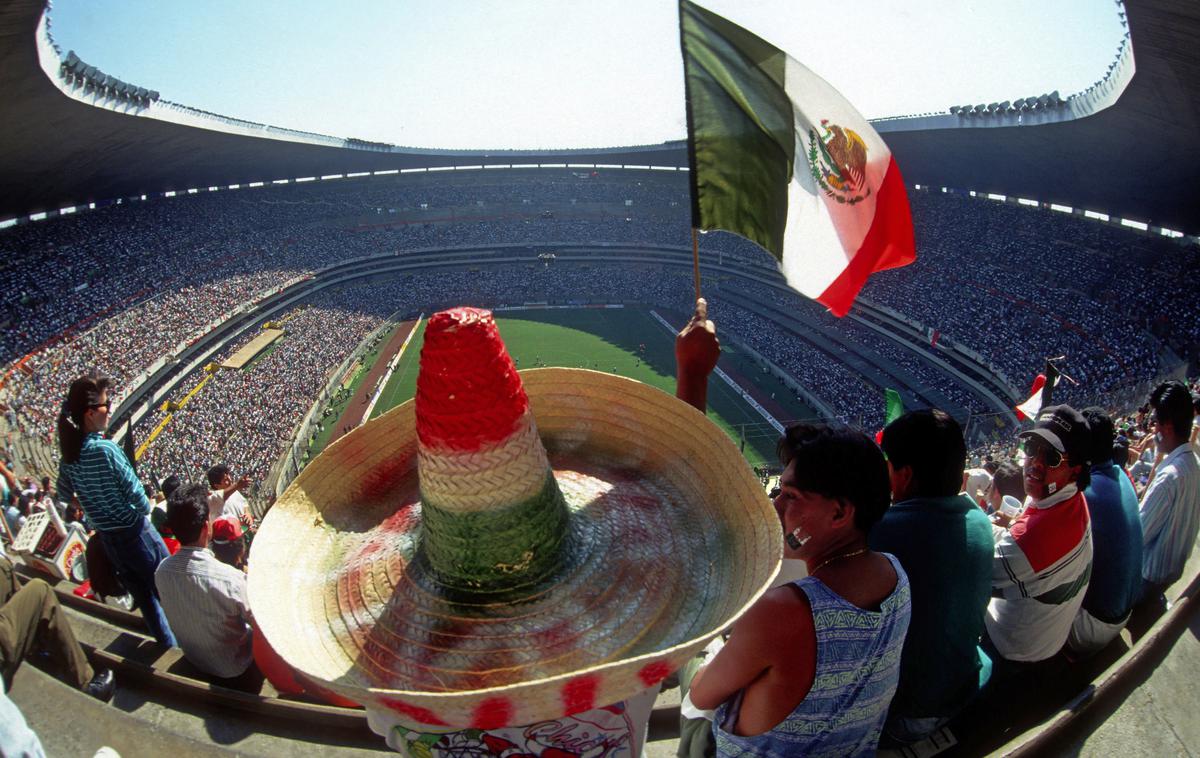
[[1048, 455], [97, 406]]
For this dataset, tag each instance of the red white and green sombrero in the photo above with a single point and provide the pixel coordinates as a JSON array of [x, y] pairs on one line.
[[511, 547]]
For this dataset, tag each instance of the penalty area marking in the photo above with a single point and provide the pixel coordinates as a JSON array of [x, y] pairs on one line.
[[391, 367]]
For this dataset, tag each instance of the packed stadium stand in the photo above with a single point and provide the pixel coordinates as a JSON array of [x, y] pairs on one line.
[[154, 274]]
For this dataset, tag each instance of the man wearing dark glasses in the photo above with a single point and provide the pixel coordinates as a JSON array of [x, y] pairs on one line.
[[1043, 561]]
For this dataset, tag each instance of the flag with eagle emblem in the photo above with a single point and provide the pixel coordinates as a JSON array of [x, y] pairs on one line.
[[781, 158]]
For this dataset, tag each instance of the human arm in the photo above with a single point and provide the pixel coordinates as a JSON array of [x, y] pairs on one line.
[[10, 481], [1011, 569], [63, 486], [696, 352], [241, 597], [237, 486], [776, 633], [126, 478], [1155, 509]]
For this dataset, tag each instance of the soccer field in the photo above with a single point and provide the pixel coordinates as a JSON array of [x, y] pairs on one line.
[[626, 341]]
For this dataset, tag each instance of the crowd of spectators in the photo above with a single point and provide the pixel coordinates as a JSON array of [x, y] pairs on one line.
[[245, 417], [1095, 304], [122, 286], [63, 274]]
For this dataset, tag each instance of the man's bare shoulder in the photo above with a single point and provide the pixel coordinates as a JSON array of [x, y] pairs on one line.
[[782, 613]]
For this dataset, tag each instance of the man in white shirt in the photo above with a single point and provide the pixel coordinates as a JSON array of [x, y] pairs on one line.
[[226, 497], [1170, 509], [204, 599]]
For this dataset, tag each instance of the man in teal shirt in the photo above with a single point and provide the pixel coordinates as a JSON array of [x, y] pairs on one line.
[[944, 543]]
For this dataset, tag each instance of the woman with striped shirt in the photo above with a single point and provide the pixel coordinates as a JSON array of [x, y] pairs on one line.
[[114, 501]]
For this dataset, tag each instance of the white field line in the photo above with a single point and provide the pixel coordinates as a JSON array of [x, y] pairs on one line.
[[388, 374]]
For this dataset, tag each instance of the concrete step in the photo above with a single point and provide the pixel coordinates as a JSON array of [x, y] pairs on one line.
[[165, 685]]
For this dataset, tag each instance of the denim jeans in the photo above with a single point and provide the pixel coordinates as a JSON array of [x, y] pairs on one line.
[[135, 553]]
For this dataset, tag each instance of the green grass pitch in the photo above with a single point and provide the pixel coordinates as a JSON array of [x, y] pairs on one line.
[[625, 340]]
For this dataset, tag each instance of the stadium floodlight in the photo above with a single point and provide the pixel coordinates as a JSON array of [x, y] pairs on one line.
[[993, 106], [1004, 105], [72, 59], [1019, 104]]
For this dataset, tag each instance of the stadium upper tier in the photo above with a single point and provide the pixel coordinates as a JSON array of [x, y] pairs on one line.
[[71, 140]]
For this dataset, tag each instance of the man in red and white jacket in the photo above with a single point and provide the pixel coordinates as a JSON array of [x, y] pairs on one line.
[[1042, 563]]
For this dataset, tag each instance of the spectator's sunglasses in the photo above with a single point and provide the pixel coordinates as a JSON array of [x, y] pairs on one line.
[[1038, 449], [107, 405]]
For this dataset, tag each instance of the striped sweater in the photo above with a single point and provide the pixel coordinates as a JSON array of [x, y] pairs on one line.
[[1040, 572], [108, 489]]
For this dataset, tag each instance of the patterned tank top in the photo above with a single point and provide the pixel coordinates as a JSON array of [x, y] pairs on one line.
[[858, 666]]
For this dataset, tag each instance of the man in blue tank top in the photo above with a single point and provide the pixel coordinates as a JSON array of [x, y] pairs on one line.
[[812, 666]]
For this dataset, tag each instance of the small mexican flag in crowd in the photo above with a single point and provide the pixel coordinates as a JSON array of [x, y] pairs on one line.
[[1040, 394], [894, 409], [779, 157]]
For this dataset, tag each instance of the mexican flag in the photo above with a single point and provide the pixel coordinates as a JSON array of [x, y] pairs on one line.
[[779, 157], [1028, 410], [893, 409]]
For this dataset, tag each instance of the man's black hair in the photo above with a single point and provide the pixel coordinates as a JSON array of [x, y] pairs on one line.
[[1172, 402], [841, 464], [187, 512], [1120, 451], [230, 553], [170, 484], [1103, 435], [1009, 480], [931, 442], [216, 474]]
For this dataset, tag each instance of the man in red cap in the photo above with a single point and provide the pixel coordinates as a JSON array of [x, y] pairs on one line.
[[227, 543]]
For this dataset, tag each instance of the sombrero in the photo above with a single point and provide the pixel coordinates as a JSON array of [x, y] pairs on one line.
[[511, 547]]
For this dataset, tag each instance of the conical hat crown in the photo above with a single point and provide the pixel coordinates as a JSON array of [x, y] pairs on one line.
[[494, 519]]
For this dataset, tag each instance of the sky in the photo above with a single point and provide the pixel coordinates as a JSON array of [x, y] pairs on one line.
[[542, 74]]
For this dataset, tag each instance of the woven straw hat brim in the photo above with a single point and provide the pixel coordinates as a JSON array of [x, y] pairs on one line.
[[671, 539]]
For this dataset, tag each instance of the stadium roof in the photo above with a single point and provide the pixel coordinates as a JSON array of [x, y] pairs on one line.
[[74, 136]]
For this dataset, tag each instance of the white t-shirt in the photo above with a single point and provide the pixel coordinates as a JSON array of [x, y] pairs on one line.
[[235, 505], [219, 505]]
